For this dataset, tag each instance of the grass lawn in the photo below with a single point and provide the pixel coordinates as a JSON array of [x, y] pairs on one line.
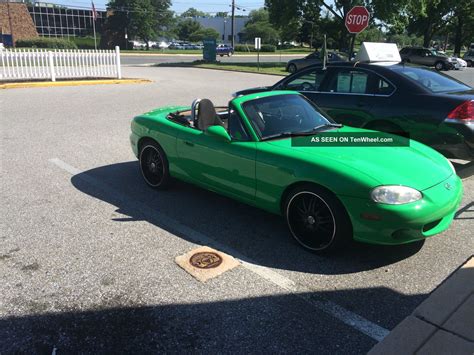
[[265, 68]]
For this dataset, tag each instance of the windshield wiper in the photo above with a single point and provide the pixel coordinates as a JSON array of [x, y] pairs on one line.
[[329, 124], [302, 133]]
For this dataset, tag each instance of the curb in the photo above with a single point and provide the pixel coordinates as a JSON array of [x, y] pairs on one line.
[[41, 84], [441, 324]]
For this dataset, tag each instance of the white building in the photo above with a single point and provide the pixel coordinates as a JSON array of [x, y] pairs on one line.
[[223, 25]]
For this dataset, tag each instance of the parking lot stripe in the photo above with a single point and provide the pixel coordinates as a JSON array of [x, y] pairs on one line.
[[349, 318]]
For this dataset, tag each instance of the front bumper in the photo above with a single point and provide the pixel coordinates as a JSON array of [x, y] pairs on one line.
[[399, 224], [134, 143]]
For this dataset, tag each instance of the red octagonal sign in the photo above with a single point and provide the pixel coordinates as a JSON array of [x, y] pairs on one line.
[[357, 19]]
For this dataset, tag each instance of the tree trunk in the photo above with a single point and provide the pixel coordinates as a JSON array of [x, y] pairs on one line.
[[458, 37], [427, 35]]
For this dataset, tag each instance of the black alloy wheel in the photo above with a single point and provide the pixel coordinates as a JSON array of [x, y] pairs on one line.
[[317, 219], [154, 165]]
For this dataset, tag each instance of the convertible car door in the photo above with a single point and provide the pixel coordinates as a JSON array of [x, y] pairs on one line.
[[222, 166]]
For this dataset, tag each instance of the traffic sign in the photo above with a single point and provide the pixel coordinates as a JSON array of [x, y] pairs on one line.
[[357, 19], [258, 43]]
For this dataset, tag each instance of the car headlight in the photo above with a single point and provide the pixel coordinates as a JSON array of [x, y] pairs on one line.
[[395, 194]]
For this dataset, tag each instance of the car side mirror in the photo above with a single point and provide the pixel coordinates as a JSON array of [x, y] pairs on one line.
[[218, 132]]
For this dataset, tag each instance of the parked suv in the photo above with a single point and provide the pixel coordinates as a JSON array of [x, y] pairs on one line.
[[469, 57], [425, 56]]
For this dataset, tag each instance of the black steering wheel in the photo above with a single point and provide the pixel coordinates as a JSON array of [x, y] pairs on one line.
[[306, 86]]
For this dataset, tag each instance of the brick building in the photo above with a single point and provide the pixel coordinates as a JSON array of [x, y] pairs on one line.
[[22, 25]]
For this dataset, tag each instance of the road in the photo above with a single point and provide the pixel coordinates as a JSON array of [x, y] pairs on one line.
[[87, 250], [128, 59]]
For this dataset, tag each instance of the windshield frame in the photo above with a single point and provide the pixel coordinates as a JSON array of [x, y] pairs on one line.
[[257, 132]]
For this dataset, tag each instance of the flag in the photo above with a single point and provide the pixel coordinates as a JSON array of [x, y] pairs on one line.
[[94, 13], [324, 53]]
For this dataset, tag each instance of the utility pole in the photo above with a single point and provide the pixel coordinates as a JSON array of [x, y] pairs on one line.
[[10, 23], [233, 24]]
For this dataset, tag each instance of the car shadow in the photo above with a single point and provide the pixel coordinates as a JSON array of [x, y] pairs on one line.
[[253, 233], [116, 324], [464, 171]]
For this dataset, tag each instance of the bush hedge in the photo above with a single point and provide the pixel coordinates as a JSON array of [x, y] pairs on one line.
[[251, 48], [85, 42], [43, 42]]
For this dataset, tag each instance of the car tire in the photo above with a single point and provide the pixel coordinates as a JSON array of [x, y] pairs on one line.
[[316, 218], [229, 54], [439, 66], [469, 63], [292, 68], [154, 165]]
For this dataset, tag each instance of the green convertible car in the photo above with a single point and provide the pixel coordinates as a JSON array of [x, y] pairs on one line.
[[258, 150]]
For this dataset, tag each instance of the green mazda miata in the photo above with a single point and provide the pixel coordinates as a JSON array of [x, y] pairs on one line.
[[260, 150]]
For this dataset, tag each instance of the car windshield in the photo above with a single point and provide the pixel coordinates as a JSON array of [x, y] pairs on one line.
[[431, 80], [439, 54], [284, 114]]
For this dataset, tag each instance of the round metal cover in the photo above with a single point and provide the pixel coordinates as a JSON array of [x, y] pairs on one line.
[[205, 260]]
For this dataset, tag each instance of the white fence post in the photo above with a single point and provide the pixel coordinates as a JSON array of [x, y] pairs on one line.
[[59, 64], [51, 66], [117, 62]]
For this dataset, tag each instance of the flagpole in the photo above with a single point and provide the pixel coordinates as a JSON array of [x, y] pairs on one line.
[[95, 36], [94, 18]]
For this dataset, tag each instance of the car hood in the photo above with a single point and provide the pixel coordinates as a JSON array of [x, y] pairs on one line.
[[416, 166]]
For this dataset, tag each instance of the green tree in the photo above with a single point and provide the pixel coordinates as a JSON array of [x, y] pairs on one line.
[[222, 14], [259, 25], [192, 12], [141, 19], [203, 33], [306, 14], [186, 27]]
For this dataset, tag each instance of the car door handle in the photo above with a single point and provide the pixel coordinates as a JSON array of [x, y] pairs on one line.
[[189, 143]]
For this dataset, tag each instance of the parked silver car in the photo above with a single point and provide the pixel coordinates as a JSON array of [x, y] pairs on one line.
[[295, 65], [469, 57]]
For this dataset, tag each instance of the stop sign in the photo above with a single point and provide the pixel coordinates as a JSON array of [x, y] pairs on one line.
[[357, 19]]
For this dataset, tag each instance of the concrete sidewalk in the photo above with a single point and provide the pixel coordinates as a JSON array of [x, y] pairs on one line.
[[442, 324]]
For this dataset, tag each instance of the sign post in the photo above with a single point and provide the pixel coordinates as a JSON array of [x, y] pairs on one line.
[[258, 45], [357, 20]]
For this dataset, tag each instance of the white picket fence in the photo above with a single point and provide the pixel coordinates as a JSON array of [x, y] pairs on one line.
[[26, 64]]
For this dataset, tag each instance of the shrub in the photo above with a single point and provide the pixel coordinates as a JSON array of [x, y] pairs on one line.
[[85, 42], [251, 48], [268, 48], [43, 42]]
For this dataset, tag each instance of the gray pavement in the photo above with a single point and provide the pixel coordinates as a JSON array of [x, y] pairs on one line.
[[156, 59], [87, 250]]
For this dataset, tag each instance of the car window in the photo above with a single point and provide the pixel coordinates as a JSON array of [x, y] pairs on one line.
[[431, 80], [382, 87], [306, 81], [349, 81], [236, 128], [283, 113]]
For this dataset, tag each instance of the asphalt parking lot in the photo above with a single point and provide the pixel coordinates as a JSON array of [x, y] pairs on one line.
[[87, 249]]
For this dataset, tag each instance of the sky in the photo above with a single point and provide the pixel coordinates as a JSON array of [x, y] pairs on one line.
[[179, 6]]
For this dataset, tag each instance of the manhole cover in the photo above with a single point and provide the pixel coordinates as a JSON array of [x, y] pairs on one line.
[[205, 260]]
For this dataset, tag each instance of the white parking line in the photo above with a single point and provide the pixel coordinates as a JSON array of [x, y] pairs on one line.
[[350, 318]]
